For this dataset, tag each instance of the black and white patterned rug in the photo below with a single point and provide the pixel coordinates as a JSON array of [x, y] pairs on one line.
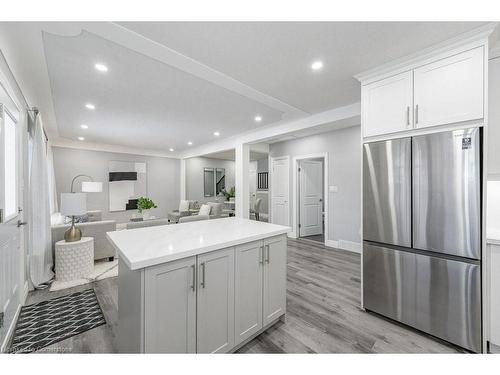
[[47, 322]]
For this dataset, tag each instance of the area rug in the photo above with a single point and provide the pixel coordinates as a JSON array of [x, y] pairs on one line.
[[48, 322], [102, 270]]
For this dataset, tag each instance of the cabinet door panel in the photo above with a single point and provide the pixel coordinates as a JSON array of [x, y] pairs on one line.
[[450, 90], [274, 278], [248, 290], [215, 302], [387, 105], [170, 308]]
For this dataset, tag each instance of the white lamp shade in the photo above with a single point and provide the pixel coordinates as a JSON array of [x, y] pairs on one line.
[[73, 204], [91, 187]]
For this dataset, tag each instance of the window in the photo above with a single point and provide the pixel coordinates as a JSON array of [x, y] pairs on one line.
[[8, 148]]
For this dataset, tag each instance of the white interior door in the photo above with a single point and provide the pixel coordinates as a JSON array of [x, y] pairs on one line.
[[310, 197], [280, 178], [10, 232]]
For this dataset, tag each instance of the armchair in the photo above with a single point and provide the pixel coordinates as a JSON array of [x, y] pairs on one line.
[[185, 209], [215, 209]]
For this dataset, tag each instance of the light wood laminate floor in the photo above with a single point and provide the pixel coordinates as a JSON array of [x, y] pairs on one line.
[[323, 313]]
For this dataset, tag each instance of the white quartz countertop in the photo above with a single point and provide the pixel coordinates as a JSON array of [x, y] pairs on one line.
[[145, 247]]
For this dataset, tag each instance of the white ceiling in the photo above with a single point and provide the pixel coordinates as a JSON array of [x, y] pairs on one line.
[[139, 101], [275, 57], [173, 82]]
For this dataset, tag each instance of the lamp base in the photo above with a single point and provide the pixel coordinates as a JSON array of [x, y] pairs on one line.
[[73, 234]]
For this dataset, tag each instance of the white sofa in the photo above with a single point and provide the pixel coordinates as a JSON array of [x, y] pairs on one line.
[[96, 229]]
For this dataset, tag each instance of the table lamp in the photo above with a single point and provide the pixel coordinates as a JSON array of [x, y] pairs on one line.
[[73, 204], [91, 187]]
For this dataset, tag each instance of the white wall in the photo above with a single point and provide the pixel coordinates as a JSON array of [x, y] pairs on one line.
[[494, 118], [163, 179], [493, 188], [194, 176], [344, 163]]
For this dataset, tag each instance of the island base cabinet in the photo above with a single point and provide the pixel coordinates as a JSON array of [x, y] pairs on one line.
[[208, 303], [215, 302], [249, 270], [170, 307], [274, 301]]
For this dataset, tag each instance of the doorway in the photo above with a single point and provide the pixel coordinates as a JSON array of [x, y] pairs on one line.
[[310, 199], [279, 190]]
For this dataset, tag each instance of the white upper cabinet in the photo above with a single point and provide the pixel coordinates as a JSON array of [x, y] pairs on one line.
[[442, 89], [387, 105], [450, 90]]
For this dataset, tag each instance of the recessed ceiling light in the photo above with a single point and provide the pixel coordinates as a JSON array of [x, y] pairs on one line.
[[317, 65], [216, 134], [83, 126], [101, 67], [81, 138], [190, 143], [171, 149], [258, 118], [90, 106]]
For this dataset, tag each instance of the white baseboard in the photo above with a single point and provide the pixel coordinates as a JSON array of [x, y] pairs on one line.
[[354, 247]]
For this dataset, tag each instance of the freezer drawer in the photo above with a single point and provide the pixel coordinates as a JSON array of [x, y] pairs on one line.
[[439, 296], [387, 192], [447, 193]]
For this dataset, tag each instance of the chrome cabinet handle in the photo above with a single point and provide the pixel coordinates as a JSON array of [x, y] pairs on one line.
[[193, 285], [21, 223], [203, 284], [268, 256], [408, 116], [261, 255], [416, 114]]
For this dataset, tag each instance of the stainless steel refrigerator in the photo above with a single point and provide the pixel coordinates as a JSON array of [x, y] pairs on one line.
[[422, 233]]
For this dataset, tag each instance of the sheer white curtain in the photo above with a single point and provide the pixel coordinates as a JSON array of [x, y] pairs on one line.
[[52, 180], [40, 246]]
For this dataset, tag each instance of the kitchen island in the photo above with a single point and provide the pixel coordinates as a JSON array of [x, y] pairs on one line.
[[199, 287]]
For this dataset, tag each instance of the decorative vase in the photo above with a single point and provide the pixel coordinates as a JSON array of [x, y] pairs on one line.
[[146, 214]]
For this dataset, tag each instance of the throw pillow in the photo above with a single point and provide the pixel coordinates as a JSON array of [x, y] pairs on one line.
[[204, 209], [184, 205]]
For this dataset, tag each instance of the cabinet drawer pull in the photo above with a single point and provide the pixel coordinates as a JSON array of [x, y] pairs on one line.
[[193, 284], [416, 114], [268, 256], [261, 255], [408, 116], [203, 284]]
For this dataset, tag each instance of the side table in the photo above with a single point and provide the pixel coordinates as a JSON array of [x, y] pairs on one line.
[[74, 260]]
